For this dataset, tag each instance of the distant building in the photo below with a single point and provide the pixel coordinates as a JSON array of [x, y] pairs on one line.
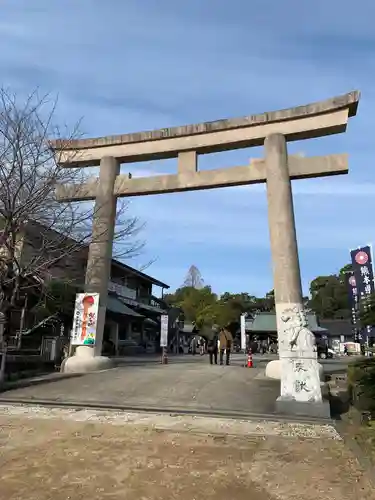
[[263, 327], [133, 311], [338, 329]]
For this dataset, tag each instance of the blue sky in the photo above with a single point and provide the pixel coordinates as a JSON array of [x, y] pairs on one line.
[[143, 64]]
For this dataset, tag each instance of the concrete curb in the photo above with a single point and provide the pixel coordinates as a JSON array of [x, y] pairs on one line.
[[212, 413], [42, 379]]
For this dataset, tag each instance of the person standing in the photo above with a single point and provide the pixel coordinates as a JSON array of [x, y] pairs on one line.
[[202, 346], [213, 348], [226, 342], [194, 346]]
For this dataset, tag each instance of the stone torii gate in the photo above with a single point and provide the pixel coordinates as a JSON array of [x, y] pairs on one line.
[[300, 382]]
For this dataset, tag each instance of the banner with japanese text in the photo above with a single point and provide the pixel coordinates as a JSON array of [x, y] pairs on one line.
[[85, 319], [353, 300], [364, 278], [164, 330], [243, 331]]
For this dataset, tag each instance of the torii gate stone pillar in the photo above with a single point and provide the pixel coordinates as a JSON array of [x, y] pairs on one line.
[[300, 380], [298, 365], [98, 270]]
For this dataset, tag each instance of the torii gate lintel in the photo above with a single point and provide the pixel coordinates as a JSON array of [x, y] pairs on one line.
[[297, 367]]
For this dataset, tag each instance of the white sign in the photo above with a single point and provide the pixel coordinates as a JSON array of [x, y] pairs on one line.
[[164, 330], [85, 319], [243, 332]]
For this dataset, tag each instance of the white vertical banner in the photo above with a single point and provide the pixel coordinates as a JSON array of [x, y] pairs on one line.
[[85, 319], [243, 332], [164, 330]]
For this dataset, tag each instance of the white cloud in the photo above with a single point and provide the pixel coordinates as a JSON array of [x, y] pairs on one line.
[[129, 66]]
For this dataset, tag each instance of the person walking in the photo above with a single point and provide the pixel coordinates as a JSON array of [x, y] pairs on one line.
[[202, 346], [213, 348], [226, 342]]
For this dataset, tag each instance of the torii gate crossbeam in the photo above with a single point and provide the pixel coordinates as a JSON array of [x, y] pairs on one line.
[[298, 366]]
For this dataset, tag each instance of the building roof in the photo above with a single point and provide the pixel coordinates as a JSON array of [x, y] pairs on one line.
[[266, 322], [115, 305], [135, 272], [32, 224], [337, 326]]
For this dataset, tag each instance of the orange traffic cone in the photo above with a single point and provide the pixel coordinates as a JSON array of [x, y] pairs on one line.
[[250, 360]]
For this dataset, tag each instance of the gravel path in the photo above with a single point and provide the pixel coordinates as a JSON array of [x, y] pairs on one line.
[[61, 454], [183, 423]]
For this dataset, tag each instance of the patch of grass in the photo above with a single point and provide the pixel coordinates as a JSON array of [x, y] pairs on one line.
[[361, 382], [365, 437]]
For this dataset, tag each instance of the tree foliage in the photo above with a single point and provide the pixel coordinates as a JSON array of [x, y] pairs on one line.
[[192, 300], [329, 295], [329, 300], [205, 308]]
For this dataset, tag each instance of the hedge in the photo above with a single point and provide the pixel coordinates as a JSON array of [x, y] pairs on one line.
[[361, 381]]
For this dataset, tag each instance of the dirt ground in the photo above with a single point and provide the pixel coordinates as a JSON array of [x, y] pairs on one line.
[[60, 459]]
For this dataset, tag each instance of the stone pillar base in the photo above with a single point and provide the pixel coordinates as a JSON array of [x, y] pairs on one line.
[[84, 361], [76, 364], [303, 409]]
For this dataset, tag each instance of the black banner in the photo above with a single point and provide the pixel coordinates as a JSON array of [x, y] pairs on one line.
[[364, 278], [353, 299]]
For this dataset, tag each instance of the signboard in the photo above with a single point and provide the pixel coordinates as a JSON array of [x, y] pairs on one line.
[[364, 279], [353, 298], [336, 345], [85, 319], [164, 330], [243, 332]]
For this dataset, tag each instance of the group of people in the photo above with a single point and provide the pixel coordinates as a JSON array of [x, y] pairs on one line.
[[220, 343]]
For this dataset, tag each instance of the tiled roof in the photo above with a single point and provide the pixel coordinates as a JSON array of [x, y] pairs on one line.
[[266, 322], [337, 326], [115, 305]]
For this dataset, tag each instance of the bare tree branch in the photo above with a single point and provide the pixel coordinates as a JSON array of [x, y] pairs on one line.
[[39, 236], [193, 278]]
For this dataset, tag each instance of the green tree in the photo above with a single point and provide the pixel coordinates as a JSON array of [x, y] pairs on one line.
[[346, 269], [206, 309], [192, 301], [329, 295]]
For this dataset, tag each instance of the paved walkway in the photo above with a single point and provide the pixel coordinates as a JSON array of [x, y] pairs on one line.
[[63, 454], [189, 384]]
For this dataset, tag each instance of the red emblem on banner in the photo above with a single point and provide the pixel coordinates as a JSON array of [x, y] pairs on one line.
[[352, 281], [361, 258]]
